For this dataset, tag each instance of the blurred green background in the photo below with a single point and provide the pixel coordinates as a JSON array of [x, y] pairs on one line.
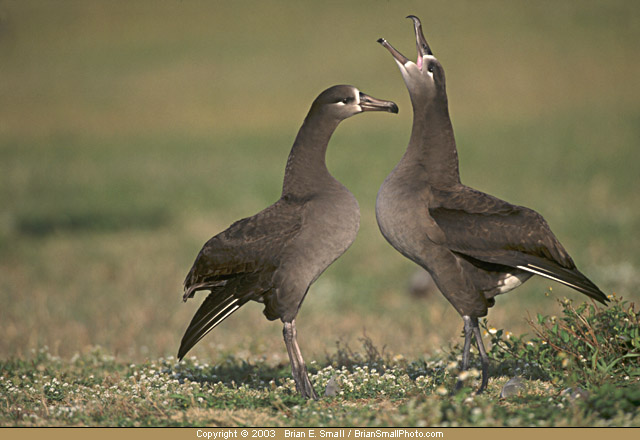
[[131, 132]]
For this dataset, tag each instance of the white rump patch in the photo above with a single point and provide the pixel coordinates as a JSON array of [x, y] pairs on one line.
[[511, 281]]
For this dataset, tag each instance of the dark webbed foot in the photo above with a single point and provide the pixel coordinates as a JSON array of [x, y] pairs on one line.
[[298, 367]]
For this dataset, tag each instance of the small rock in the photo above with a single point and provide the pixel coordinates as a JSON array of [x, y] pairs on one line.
[[513, 387], [575, 393], [332, 387]]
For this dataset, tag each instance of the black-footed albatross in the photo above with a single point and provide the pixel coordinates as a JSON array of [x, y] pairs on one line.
[[274, 256], [474, 245]]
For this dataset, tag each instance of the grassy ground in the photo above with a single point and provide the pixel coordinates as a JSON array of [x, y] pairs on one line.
[[132, 132], [589, 379]]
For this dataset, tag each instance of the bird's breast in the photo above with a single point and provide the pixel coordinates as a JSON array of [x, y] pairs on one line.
[[330, 225], [338, 219], [399, 212]]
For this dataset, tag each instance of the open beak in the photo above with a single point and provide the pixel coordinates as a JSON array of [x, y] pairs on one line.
[[400, 59], [421, 44], [371, 104]]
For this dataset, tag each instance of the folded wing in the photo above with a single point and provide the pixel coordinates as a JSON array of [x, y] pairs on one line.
[[481, 227], [237, 266]]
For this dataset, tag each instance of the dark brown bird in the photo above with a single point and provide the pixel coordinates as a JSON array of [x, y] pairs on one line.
[[274, 256], [475, 246]]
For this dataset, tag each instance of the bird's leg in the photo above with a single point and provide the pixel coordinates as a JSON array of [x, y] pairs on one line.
[[468, 332], [298, 367], [483, 355], [289, 333]]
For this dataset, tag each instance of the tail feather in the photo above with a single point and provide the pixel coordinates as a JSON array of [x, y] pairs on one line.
[[569, 277], [213, 311]]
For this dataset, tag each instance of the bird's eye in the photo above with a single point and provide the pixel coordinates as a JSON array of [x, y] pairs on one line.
[[346, 100], [431, 67]]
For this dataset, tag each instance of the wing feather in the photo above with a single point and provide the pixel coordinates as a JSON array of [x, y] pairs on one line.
[[488, 229], [248, 245], [238, 265]]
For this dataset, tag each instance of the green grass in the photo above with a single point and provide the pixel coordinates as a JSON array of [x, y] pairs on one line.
[[371, 388], [130, 133]]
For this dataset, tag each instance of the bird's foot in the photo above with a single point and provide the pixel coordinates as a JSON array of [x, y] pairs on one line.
[[471, 328], [485, 376], [304, 387]]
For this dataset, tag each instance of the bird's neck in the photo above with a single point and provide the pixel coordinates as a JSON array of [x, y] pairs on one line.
[[306, 167], [432, 146]]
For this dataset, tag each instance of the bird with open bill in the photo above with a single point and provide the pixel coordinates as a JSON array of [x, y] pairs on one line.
[[474, 245]]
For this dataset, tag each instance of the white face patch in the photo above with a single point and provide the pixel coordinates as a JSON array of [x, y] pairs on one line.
[[405, 65], [425, 62], [356, 99]]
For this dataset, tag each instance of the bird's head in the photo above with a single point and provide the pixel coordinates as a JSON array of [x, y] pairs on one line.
[[341, 102], [424, 78]]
